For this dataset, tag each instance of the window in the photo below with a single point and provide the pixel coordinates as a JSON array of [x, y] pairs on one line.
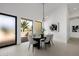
[[26, 29], [38, 27], [8, 29]]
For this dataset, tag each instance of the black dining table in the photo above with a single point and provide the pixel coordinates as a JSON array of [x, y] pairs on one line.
[[38, 42]]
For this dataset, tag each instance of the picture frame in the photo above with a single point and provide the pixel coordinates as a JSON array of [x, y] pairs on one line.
[[75, 28], [54, 27]]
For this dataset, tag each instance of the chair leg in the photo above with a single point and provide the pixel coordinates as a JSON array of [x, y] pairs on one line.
[[32, 48], [29, 47], [49, 43], [40, 44], [43, 45], [52, 42]]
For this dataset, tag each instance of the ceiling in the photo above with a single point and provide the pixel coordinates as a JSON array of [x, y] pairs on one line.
[[73, 7]]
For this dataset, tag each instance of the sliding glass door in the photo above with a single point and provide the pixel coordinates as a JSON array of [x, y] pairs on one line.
[[26, 29], [8, 29]]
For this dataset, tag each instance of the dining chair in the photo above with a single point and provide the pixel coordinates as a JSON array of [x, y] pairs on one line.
[[31, 41], [48, 40], [51, 39], [37, 35], [42, 43]]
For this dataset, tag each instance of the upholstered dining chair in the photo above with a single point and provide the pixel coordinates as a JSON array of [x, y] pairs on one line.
[[51, 39], [48, 40], [31, 41]]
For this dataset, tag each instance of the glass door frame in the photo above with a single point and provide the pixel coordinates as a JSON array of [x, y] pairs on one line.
[[28, 20]]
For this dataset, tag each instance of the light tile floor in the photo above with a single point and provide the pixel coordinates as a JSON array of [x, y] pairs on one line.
[[58, 49]]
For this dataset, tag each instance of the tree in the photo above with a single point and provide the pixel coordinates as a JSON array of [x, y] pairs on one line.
[[24, 25], [5, 30]]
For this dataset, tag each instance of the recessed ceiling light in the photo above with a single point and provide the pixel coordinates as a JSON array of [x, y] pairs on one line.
[[75, 8]]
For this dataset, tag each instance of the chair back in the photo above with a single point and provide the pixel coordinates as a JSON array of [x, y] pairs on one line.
[[36, 35], [49, 37], [30, 39]]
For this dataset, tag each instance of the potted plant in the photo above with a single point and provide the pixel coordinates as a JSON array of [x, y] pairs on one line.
[[24, 25], [42, 35]]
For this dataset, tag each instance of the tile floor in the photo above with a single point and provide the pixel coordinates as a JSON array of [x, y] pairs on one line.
[[58, 49]]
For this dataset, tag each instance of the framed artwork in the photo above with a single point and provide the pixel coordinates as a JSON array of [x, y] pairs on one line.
[[75, 28], [54, 27], [8, 30]]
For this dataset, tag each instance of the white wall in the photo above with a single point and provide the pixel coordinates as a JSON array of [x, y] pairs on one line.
[[57, 13], [32, 11], [74, 20]]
